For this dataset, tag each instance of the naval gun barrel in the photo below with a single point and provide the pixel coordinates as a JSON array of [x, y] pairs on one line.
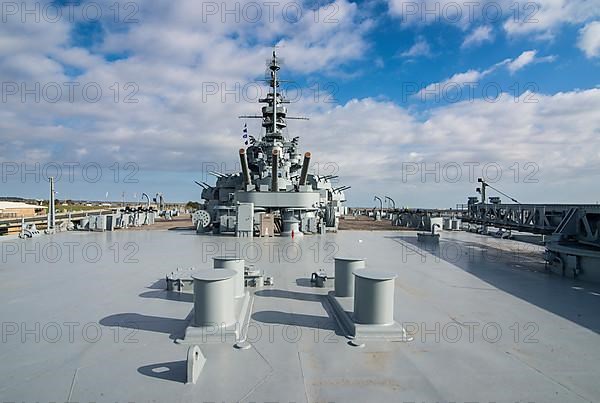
[[217, 174], [341, 188], [304, 172], [244, 164], [274, 167]]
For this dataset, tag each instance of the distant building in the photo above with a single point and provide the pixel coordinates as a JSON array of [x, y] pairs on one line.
[[19, 209]]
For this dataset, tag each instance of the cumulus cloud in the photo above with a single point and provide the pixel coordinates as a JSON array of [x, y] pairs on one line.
[[523, 60], [540, 133], [589, 39], [526, 58], [468, 78], [542, 19], [478, 36], [173, 59], [172, 82], [423, 12], [473, 76], [420, 48]]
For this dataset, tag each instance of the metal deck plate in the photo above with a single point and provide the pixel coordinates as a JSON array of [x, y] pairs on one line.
[[488, 323]]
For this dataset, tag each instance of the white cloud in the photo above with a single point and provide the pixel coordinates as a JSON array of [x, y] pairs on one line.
[[545, 131], [459, 80], [541, 18], [589, 39], [523, 60], [454, 85], [478, 36], [544, 18], [317, 41], [337, 38], [423, 12], [420, 48], [172, 54], [526, 58]]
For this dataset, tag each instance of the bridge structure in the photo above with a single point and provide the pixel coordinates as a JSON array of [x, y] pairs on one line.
[[573, 245], [534, 218]]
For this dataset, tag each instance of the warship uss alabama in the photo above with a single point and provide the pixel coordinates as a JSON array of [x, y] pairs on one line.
[[274, 185]]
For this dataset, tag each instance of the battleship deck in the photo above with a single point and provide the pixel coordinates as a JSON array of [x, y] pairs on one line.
[[85, 318]]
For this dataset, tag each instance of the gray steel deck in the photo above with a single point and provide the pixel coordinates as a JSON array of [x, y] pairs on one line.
[[117, 325]]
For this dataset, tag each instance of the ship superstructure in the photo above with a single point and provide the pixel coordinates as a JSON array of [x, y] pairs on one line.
[[274, 180]]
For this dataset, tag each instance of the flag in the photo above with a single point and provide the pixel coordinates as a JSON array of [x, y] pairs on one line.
[[245, 135]]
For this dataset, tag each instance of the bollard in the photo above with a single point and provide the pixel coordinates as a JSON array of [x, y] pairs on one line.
[[233, 263], [374, 297], [213, 297], [344, 275]]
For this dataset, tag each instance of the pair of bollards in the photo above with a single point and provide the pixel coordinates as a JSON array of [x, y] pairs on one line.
[[373, 291], [215, 291]]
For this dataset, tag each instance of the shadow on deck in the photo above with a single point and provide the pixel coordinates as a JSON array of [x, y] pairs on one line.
[[519, 273]]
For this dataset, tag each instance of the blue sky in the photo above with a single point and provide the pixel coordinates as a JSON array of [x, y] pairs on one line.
[[159, 85]]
